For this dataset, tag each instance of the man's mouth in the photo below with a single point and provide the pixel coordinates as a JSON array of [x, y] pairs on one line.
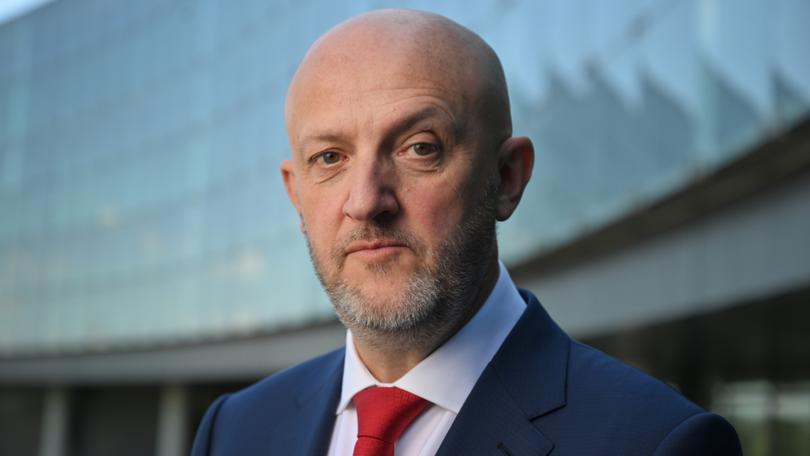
[[374, 249]]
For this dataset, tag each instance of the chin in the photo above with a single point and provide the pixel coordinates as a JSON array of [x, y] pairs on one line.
[[386, 306]]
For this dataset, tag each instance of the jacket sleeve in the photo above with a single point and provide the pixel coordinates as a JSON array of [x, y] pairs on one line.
[[203, 441], [699, 435]]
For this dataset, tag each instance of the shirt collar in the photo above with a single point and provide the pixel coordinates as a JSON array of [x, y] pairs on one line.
[[447, 375]]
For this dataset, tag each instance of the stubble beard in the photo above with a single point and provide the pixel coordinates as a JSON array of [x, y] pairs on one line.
[[436, 299]]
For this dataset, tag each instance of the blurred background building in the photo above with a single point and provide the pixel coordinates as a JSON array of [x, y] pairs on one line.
[[149, 259]]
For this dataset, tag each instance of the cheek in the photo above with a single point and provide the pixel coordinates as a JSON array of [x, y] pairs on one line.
[[321, 218], [436, 214]]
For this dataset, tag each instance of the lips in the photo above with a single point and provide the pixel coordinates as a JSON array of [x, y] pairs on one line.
[[374, 245]]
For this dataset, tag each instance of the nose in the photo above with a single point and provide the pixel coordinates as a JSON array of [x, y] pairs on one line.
[[371, 191]]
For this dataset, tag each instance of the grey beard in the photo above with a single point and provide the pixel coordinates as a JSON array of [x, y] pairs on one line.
[[435, 299]]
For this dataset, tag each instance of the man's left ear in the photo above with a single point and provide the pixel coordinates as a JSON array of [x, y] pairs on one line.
[[515, 162]]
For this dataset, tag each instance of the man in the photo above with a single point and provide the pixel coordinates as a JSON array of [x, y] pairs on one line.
[[402, 160]]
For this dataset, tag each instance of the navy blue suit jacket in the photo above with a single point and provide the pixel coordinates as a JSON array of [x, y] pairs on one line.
[[542, 394]]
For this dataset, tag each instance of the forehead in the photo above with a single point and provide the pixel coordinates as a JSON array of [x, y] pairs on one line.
[[342, 93]]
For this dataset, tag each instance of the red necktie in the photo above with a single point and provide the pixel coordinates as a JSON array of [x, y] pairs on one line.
[[383, 414]]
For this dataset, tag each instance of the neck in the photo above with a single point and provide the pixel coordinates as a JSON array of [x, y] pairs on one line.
[[389, 356]]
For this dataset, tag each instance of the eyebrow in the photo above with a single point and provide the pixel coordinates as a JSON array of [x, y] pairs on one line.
[[411, 120], [397, 128]]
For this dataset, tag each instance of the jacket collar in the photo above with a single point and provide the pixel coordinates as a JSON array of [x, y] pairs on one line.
[[525, 380]]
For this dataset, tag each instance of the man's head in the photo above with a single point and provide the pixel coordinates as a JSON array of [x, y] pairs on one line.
[[402, 160]]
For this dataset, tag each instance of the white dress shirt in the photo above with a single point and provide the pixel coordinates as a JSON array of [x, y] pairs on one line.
[[445, 378]]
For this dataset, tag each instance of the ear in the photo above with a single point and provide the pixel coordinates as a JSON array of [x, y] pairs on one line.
[[288, 175], [515, 162]]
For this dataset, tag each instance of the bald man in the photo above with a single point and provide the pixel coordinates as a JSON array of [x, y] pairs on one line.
[[402, 161]]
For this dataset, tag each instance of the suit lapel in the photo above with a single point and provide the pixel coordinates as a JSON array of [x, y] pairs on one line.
[[308, 431], [525, 380], [492, 423]]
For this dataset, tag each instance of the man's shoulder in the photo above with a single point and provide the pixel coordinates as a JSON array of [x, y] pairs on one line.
[[250, 421], [614, 402], [600, 379], [281, 392], [290, 383]]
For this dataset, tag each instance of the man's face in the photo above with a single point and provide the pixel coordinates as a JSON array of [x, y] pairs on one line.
[[394, 189]]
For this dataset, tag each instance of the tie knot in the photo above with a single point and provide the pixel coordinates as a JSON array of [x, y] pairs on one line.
[[384, 413]]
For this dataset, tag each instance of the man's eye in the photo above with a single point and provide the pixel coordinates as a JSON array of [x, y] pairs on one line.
[[424, 149], [329, 157]]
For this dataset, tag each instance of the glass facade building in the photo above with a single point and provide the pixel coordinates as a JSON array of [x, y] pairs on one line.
[[141, 204], [141, 196]]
